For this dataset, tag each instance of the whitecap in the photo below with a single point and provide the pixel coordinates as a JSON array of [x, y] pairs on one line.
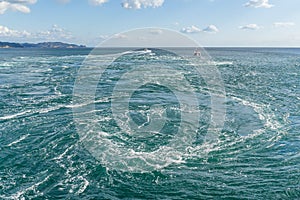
[[18, 140], [14, 115], [20, 194], [222, 63], [83, 186]]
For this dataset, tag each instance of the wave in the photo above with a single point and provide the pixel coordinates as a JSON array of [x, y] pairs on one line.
[[50, 109], [20, 194], [18, 140], [15, 115], [222, 63]]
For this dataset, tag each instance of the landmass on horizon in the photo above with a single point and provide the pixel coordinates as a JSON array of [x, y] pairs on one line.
[[48, 45]]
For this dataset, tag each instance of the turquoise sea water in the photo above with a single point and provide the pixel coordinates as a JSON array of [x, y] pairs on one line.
[[256, 154]]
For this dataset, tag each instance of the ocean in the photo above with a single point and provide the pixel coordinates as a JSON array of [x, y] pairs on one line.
[[140, 132]]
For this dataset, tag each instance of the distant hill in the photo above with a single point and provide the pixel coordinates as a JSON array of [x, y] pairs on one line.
[[39, 45]]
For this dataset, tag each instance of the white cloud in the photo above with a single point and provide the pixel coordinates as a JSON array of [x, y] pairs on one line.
[[283, 24], [97, 2], [250, 27], [259, 4], [102, 37], [23, 5], [211, 29], [191, 29], [55, 33], [195, 29], [138, 4], [16, 5], [7, 33], [119, 36]]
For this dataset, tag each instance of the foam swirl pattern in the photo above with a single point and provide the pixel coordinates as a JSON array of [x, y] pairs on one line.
[[256, 154]]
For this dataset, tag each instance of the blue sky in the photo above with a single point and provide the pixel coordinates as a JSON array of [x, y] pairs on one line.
[[210, 22]]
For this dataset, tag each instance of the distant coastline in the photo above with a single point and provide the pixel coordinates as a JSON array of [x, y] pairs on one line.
[[46, 45]]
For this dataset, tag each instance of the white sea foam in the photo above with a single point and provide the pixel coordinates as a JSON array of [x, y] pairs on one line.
[[83, 185], [20, 194], [6, 64], [15, 115], [18, 140], [264, 112], [24, 113], [63, 154], [222, 63], [50, 109]]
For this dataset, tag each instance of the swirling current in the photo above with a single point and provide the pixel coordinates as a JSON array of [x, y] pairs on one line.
[[256, 155]]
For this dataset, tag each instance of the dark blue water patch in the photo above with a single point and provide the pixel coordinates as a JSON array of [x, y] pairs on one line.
[[247, 122]]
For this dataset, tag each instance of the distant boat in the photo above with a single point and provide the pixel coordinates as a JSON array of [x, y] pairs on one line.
[[197, 52]]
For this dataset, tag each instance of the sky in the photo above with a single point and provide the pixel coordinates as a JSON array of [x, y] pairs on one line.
[[209, 22]]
